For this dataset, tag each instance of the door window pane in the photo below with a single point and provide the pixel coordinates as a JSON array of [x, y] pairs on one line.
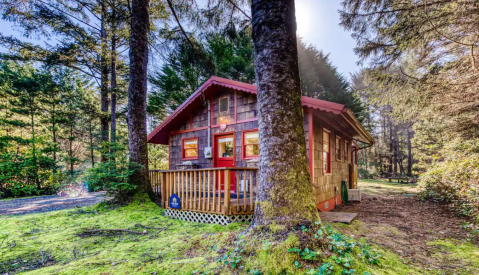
[[225, 147]]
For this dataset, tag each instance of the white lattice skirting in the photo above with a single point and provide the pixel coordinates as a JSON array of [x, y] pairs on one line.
[[191, 216]]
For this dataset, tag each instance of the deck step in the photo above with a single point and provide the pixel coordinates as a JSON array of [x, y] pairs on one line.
[[342, 217]]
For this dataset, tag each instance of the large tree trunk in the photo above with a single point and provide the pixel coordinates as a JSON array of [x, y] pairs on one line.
[[391, 147], [90, 132], [394, 161], [104, 81], [409, 152], [54, 132], [397, 144], [140, 26], [285, 192], [113, 76]]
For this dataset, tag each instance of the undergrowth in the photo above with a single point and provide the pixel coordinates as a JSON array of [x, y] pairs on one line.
[[453, 178], [315, 250], [138, 239]]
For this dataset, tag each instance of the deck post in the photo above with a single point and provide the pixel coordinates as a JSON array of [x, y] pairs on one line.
[[163, 195], [227, 191]]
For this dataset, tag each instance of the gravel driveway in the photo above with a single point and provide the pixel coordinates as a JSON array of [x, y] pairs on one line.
[[47, 203]]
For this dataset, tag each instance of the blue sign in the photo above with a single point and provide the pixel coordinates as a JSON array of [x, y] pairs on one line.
[[175, 202]]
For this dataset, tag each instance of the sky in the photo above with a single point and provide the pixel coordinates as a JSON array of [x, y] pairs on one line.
[[318, 24]]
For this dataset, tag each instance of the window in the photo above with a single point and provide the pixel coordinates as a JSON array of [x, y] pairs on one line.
[[337, 148], [224, 105], [326, 151], [346, 146], [250, 144], [189, 148]]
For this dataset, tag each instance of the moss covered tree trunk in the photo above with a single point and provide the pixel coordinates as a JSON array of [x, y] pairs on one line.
[[285, 192], [104, 80], [137, 135]]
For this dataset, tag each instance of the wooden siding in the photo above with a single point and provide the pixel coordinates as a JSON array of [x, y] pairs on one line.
[[324, 185], [245, 106], [245, 110]]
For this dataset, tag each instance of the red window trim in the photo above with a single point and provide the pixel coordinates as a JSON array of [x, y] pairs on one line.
[[183, 148], [243, 150], [346, 150], [169, 151], [328, 172], [337, 148]]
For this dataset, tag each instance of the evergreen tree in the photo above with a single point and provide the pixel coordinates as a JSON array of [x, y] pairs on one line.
[[82, 45], [321, 80], [137, 94], [229, 54], [422, 54], [285, 191]]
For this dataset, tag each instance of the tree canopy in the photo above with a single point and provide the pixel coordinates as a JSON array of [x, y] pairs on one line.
[[229, 54]]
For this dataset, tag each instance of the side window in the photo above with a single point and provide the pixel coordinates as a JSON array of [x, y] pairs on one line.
[[189, 148], [346, 151], [250, 144], [326, 151], [337, 148]]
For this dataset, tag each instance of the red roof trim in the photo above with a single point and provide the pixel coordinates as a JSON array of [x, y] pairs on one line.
[[214, 80], [308, 102]]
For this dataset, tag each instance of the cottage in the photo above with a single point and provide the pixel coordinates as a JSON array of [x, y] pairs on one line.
[[213, 148]]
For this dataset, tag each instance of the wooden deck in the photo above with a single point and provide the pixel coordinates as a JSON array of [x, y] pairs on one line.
[[208, 190]]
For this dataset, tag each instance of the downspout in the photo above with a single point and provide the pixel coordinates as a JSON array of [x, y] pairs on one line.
[[209, 123]]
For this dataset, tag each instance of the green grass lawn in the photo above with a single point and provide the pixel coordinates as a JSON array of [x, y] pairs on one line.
[[385, 188], [55, 243]]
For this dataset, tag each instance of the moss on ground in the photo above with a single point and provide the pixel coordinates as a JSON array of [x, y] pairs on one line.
[[386, 188], [463, 256], [53, 243]]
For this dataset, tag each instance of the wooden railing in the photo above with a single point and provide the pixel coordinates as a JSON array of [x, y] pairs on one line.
[[229, 191]]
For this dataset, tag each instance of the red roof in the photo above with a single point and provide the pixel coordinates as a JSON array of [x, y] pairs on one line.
[[160, 134]]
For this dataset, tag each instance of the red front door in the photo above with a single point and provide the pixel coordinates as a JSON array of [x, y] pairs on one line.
[[225, 157]]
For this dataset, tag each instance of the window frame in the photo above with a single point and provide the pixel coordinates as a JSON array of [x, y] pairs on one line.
[[243, 144], [337, 148], [183, 149], [227, 98], [346, 151], [328, 160]]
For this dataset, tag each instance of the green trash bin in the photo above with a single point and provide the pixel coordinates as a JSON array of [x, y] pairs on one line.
[[344, 192]]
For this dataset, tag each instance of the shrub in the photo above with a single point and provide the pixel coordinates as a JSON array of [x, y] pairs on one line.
[[454, 178], [23, 175], [112, 175]]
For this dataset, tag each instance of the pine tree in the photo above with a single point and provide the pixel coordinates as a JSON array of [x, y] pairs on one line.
[[423, 55], [137, 94], [285, 194]]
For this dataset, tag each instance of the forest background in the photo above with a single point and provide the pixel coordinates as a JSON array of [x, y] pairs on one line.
[[63, 106]]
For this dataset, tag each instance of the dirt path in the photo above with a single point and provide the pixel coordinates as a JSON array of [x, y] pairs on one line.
[[393, 217], [47, 203]]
